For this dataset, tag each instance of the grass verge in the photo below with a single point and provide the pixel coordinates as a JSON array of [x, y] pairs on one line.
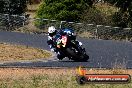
[[10, 52], [50, 78]]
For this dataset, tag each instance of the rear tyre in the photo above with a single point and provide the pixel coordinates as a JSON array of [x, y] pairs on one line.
[[71, 52], [76, 57], [85, 58]]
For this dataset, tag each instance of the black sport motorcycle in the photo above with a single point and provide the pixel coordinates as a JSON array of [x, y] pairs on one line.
[[68, 46]]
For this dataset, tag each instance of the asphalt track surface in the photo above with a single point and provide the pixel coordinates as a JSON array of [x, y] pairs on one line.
[[103, 53]]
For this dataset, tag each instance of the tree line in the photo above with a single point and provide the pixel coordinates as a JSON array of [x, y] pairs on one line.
[[123, 17], [73, 10], [70, 10]]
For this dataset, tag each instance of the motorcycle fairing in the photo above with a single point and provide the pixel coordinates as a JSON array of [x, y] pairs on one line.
[[64, 40]]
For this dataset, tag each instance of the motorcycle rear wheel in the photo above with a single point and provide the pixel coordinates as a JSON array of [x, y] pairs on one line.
[[76, 57]]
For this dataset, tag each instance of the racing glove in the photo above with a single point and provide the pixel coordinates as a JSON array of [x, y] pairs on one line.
[[80, 43]]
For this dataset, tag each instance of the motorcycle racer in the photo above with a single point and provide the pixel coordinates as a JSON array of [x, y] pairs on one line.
[[52, 31]]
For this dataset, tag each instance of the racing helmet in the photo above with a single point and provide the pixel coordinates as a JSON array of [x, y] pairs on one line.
[[51, 30]]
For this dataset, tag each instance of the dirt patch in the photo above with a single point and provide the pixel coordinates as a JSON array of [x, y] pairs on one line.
[[10, 52], [22, 72], [49, 78], [27, 72]]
